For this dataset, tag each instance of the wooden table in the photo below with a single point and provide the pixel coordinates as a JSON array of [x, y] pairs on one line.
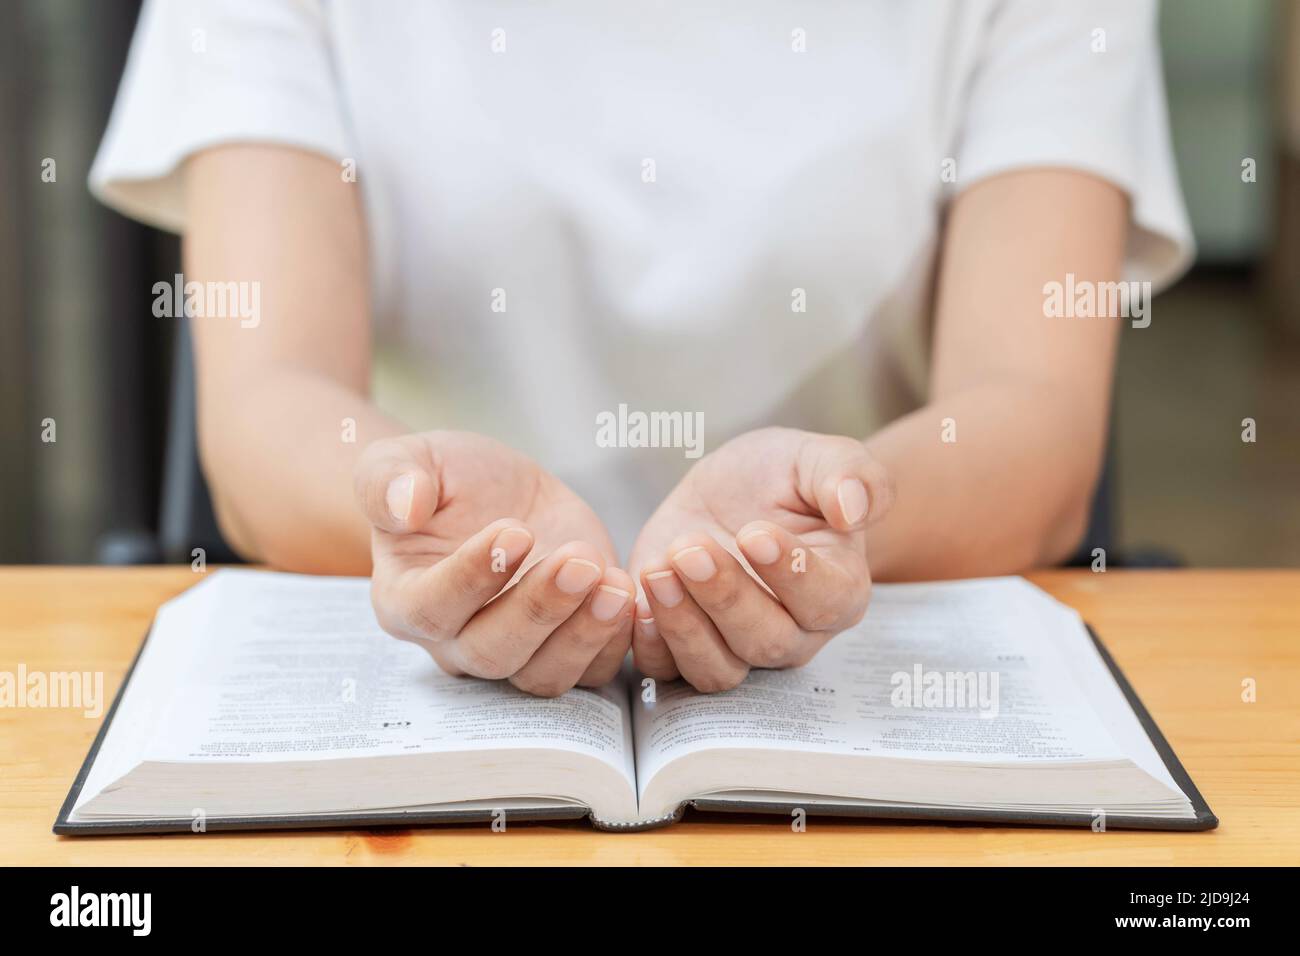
[[1186, 639]]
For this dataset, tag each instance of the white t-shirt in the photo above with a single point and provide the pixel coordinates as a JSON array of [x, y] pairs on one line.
[[727, 209]]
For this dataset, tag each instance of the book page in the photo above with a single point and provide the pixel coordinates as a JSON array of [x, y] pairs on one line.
[[958, 671], [132, 723], [292, 667], [1098, 685]]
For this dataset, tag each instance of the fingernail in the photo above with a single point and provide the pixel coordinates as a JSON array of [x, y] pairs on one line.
[[853, 500], [577, 575], [400, 494], [666, 588], [648, 626], [696, 563], [509, 546], [760, 547], [608, 602], [646, 619]]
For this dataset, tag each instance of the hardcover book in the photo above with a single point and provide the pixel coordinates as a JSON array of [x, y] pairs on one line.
[[265, 700]]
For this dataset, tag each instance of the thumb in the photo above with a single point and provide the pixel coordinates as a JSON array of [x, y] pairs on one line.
[[840, 478], [396, 484]]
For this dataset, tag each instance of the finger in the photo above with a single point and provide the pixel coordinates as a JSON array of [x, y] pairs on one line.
[[649, 652], [700, 653], [840, 478], [571, 649], [752, 622], [606, 665], [396, 484], [824, 589], [501, 638], [433, 603]]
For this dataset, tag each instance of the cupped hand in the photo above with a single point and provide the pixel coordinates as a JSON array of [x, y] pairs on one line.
[[491, 563], [757, 558]]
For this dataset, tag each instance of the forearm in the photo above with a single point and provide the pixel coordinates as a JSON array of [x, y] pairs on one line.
[[278, 451], [276, 396], [991, 480], [995, 474]]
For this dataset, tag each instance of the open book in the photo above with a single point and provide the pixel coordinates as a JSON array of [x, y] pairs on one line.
[[272, 700]]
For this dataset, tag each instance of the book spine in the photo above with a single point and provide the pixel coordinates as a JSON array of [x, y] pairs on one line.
[[635, 826]]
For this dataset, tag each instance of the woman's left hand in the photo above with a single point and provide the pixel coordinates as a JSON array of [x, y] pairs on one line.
[[777, 507]]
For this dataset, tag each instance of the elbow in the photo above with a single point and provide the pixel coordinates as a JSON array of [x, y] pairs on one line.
[[1063, 531], [237, 530], [280, 546], [234, 530], [260, 532]]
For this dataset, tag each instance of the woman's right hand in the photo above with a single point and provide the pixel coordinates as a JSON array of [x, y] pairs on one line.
[[458, 520]]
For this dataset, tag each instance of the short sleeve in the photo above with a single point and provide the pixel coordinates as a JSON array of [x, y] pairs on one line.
[[200, 74], [1079, 85]]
